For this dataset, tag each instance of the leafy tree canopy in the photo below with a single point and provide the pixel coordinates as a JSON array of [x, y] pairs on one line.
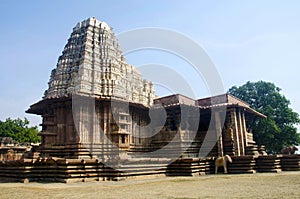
[[19, 130], [278, 129]]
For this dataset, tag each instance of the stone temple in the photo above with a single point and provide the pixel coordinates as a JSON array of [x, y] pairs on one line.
[[102, 120], [97, 105]]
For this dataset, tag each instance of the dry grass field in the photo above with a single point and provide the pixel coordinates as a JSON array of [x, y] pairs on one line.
[[263, 185]]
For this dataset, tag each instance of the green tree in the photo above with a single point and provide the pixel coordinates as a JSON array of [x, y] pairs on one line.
[[19, 130], [278, 129]]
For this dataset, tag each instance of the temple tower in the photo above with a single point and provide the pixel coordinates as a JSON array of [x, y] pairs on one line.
[[92, 67], [92, 64]]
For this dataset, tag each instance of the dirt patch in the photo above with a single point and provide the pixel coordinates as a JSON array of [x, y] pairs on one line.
[[266, 185]]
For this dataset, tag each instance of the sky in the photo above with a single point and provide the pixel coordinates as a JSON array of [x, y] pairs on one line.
[[246, 40]]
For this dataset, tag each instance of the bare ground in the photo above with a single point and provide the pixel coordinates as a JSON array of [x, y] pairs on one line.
[[266, 185]]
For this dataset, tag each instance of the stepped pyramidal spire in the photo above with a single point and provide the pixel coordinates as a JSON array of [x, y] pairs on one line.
[[92, 64]]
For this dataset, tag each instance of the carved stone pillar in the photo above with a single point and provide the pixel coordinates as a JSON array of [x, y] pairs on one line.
[[218, 129], [233, 118], [241, 133], [244, 129]]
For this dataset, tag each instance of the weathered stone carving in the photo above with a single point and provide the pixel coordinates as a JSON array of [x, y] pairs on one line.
[[92, 64]]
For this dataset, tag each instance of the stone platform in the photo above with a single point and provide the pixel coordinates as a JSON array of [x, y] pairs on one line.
[[83, 170]]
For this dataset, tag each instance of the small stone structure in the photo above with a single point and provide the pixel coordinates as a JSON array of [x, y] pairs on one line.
[[96, 122], [12, 150]]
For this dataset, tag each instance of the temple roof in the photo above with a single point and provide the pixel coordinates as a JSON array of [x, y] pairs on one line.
[[223, 100]]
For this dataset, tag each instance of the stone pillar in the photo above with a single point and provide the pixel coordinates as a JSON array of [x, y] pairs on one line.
[[104, 120], [245, 129], [101, 119], [80, 124], [70, 128], [105, 136], [139, 129], [235, 131], [218, 129], [95, 134], [132, 126], [241, 133]]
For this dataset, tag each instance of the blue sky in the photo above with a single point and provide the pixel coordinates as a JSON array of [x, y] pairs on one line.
[[247, 41]]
